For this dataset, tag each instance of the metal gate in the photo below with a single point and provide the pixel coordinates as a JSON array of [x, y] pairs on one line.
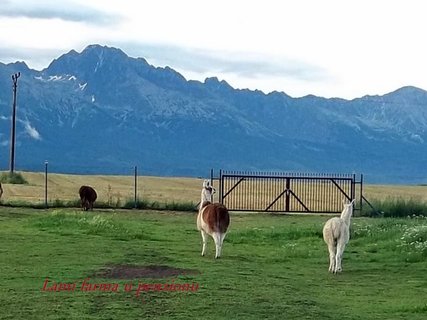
[[286, 192]]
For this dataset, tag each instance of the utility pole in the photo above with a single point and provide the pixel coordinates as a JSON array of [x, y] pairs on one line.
[[12, 133]]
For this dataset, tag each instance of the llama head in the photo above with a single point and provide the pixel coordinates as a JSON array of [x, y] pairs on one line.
[[207, 191], [347, 203], [347, 212], [207, 186], [206, 183]]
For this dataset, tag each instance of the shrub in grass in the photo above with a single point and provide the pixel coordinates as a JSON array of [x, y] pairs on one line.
[[155, 205], [140, 204], [12, 178], [264, 236], [103, 205], [66, 222], [22, 204], [396, 208], [73, 203], [99, 224], [415, 239], [57, 203], [65, 203], [180, 206]]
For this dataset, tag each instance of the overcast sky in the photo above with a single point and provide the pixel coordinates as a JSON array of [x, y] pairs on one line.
[[330, 48]]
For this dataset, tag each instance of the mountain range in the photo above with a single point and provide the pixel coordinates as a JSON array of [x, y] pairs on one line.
[[101, 111]]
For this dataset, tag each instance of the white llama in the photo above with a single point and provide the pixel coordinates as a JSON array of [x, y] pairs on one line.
[[336, 234], [213, 219]]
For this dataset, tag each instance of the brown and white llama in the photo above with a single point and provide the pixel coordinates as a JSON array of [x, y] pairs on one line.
[[213, 219], [336, 233]]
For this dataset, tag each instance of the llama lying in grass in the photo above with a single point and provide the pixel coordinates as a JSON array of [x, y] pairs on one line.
[[336, 234], [213, 219]]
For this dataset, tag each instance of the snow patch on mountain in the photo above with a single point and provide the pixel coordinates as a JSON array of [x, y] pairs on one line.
[[31, 131], [55, 78]]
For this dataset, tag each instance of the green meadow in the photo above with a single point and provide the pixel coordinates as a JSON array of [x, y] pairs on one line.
[[272, 267]]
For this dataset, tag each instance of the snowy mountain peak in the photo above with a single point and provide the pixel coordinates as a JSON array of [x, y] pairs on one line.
[[127, 112]]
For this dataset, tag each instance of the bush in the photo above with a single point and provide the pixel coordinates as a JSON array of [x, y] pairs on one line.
[[64, 222], [155, 205], [140, 204], [12, 178], [396, 208], [64, 204], [180, 206], [415, 239]]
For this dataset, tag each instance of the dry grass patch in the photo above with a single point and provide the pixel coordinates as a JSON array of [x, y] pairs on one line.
[[110, 189], [115, 190]]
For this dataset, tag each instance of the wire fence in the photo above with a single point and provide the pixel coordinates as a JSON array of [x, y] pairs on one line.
[[238, 190], [49, 189]]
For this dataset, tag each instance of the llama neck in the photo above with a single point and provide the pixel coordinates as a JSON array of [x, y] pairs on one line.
[[346, 215], [206, 195]]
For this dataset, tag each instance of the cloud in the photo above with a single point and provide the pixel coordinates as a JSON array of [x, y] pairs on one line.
[[38, 58], [255, 66], [31, 131], [64, 10], [238, 63]]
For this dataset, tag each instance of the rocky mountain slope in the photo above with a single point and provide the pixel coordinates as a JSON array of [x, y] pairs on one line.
[[100, 111]]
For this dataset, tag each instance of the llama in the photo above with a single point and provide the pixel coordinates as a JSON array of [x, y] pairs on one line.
[[336, 234], [213, 219], [87, 197]]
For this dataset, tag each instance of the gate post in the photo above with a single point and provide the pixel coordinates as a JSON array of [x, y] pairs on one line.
[[288, 187], [361, 192], [221, 187], [211, 181], [353, 187]]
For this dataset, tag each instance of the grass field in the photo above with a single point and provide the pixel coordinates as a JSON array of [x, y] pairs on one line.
[[273, 267]]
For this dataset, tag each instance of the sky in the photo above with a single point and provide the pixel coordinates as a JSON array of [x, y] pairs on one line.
[[329, 48]]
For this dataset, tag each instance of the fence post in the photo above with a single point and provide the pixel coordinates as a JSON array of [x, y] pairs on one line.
[[45, 184], [213, 196], [361, 192], [136, 186]]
